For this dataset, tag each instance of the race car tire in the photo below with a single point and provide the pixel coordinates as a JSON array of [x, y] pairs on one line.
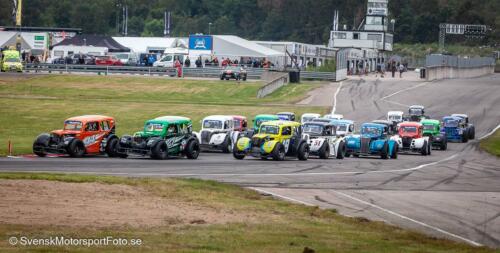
[[424, 149], [429, 148], [76, 148], [41, 140], [221, 78], [244, 78], [192, 149], [111, 147], [472, 135], [347, 154], [159, 151], [341, 152], [278, 152], [226, 145], [237, 155], [444, 145], [324, 151], [303, 152], [465, 137], [395, 151], [384, 154]]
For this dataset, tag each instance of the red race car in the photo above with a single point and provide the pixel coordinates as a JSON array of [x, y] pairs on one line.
[[88, 134], [108, 60]]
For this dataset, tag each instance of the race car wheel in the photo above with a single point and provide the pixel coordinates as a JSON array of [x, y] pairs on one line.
[[237, 155], [159, 151], [429, 148], [424, 149], [303, 152], [76, 148], [278, 152], [226, 145], [395, 150], [465, 137], [472, 135], [221, 77], [41, 142], [444, 145], [244, 78], [384, 154], [341, 152], [192, 150], [111, 147], [324, 152]]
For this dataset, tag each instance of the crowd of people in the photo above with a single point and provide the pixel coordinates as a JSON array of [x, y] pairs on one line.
[[214, 62]]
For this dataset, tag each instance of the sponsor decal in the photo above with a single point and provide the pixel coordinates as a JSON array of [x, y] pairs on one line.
[[174, 141], [90, 140]]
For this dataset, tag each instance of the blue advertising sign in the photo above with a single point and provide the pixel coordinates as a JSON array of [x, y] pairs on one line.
[[200, 42]]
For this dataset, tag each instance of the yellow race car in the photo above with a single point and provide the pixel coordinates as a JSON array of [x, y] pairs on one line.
[[275, 139]]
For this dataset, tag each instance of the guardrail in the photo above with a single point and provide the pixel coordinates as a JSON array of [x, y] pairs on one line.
[[212, 72], [273, 85], [448, 66]]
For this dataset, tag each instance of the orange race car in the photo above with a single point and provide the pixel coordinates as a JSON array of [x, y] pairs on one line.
[[88, 134]]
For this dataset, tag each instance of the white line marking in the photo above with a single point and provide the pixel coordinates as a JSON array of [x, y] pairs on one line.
[[403, 90], [334, 108], [281, 196], [490, 133], [410, 219], [247, 174]]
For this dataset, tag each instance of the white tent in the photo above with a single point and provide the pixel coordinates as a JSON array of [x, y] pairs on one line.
[[147, 44], [235, 46]]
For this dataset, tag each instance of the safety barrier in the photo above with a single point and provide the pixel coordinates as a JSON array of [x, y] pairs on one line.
[[273, 85], [212, 72], [447, 66]]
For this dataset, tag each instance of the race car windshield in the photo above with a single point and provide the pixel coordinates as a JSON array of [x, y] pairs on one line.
[[408, 129], [313, 129], [72, 125], [416, 112], [154, 127], [233, 68], [122, 56], [269, 130], [214, 124], [451, 123], [370, 130], [260, 121], [12, 60], [308, 119], [394, 117], [429, 127], [342, 128]]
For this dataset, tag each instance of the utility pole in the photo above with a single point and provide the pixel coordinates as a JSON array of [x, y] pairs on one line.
[[126, 20]]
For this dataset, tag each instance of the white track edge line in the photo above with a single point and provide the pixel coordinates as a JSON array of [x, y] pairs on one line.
[[334, 108], [281, 196], [490, 133], [409, 219]]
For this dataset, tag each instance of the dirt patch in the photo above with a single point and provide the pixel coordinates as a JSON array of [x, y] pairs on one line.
[[39, 202]]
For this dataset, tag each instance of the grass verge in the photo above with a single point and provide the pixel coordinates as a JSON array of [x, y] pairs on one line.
[[292, 228], [30, 106], [492, 144]]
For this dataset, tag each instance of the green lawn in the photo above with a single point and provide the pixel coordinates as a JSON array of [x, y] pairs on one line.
[[418, 50], [492, 144], [39, 104], [291, 228]]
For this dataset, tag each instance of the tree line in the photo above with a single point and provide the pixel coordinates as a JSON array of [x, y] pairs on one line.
[[308, 21]]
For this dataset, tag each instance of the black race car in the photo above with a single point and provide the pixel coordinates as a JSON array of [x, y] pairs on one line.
[[233, 72]]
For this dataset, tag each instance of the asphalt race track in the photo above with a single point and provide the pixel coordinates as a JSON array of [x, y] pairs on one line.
[[453, 194]]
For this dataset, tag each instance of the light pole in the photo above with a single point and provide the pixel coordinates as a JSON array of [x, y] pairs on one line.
[[393, 21], [209, 28]]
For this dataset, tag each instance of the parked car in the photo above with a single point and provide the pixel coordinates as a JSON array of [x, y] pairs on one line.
[[82, 59], [108, 60], [373, 141], [128, 59], [88, 134], [168, 60], [233, 72], [323, 140], [161, 138], [11, 61], [276, 140], [432, 128], [217, 133]]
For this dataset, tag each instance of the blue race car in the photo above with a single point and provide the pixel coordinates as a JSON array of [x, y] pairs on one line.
[[373, 141], [456, 129]]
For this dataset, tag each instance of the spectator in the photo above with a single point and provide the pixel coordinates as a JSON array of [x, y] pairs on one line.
[[393, 68], [24, 56], [198, 62], [187, 62], [178, 66], [236, 61], [401, 70]]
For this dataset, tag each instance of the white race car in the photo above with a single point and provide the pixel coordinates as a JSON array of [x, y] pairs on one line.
[[411, 139], [217, 133], [323, 140], [395, 117]]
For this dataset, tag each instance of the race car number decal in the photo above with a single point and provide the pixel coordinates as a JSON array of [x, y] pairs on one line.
[[87, 141], [173, 142], [286, 143]]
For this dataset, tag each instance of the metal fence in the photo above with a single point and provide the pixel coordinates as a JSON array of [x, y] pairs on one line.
[[212, 72], [458, 62]]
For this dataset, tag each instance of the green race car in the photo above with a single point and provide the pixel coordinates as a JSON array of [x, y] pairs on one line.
[[432, 128], [162, 137]]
